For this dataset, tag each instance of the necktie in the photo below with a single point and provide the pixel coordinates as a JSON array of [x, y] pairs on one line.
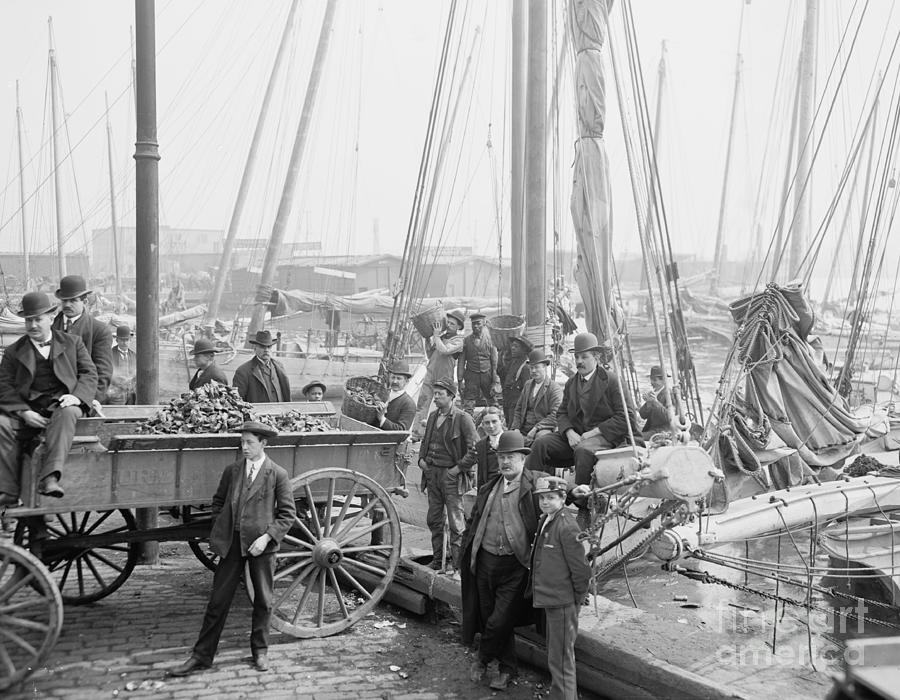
[[251, 472], [46, 343], [67, 324]]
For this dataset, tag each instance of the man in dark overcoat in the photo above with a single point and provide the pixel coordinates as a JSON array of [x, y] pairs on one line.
[[252, 510], [47, 381], [121, 389], [398, 412], [204, 353], [262, 379], [592, 416], [74, 318], [513, 371], [541, 397], [495, 561]]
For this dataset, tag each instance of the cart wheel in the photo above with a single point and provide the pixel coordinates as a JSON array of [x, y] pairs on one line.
[[339, 557], [200, 545], [31, 614], [83, 574]]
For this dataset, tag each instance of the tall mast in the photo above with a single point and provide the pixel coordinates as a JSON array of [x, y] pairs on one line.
[[112, 203], [273, 251], [536, 166], [720, 228], [861, 244], [517, 157], [804, 140], [657, 130], [57, 186], [27, 259], [228, 247]]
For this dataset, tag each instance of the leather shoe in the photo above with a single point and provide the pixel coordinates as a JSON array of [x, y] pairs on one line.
[[7, 499], [261, 662], [477, 671], [49, 486], [501, 680], [192, 665]]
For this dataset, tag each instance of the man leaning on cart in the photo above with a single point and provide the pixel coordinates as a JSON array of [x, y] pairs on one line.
[[47, 381]]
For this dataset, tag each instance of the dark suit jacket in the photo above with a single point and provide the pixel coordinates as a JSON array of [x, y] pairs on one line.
[[213, 373], [604, 408], [97, 338], [529, 510], [545, 405], [482, 456], [249, 382], [121, 387], [399, 415], [560, 574], [71, 364], [460, 439], [656, 413], [268, 507]]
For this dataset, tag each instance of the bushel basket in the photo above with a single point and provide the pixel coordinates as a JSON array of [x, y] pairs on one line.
[[424, 319], [502, 328], [354, 407]]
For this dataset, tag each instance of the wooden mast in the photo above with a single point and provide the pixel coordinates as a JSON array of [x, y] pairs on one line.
[[57, 185], [228, 247], [517, 157], [273, 251], [27, 258], [112, 205]]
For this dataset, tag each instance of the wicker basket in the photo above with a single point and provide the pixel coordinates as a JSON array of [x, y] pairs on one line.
[[360, 411], [424, 320], [502, 328]]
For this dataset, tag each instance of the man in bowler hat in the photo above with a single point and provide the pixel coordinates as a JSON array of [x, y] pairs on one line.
[[47, 381], [208, 371], [121, 390], [656, 409], [536, 409], [252, 510], [262, 379], [399, 410], [73, 318]]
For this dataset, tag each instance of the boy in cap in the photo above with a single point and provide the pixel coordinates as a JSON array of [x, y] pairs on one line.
[[560, 577], [314, 391], [252, 510]]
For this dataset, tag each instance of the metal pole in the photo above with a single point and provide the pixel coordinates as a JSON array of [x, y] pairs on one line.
[[536, 166], [719, 258], [27, 260], [112, 204], [146, 156], [228, 247], [57, 186], [273, 252], [517, 157]]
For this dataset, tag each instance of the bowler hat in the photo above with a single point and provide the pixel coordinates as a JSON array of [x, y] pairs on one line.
[[202, 346], [477, 315], [71, 287], [550, 484], [656, 372], [585, 342], [537, 356], [263, 338], [512, 441], [314, 382], [447, 384], [257, 428], [459, 316], [400, 367], [523, 341], [35, 304], [123, 332]]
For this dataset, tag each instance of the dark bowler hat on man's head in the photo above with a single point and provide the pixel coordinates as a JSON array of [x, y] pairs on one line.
[[458, 316], [537, 356], [585, 342], [71, 287], [656, 372], [203, 346], [447, 384], [258, 429], [400, 367], [314, 382], [512, 441], [263, 338], [123, 332], [35, 304]]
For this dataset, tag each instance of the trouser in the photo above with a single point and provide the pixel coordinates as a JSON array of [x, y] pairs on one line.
[[443, 494], [510, 399], [57, 437], [225, 583], [501, 582], [478, 385], [554, 449], [562, 629], [423, 406], [539, 434]]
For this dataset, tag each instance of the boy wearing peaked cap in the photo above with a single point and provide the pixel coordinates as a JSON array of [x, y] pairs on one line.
[[560, 576]]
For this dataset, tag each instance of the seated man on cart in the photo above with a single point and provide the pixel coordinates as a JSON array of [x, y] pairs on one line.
[[47, 381]]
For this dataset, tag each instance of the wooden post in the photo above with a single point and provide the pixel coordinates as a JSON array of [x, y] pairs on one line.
[[517, 157], [146, 156]]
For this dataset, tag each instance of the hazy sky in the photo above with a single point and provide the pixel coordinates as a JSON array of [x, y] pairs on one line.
[[214, 57]]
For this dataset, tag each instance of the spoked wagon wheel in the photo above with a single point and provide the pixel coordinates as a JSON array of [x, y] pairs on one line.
[[338, 559], [83, 572], [200, 545], [31, 614]]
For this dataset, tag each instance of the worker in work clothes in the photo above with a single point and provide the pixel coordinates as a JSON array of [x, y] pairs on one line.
[[514, 373], [444, 348], [656, 407], [535, 413], [476, 369]]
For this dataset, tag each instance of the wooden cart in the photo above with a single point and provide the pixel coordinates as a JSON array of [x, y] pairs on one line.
[[333, 567]]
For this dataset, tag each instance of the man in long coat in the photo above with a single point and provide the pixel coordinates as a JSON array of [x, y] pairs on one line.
[[121, 390], [208, 371], [262, 379], [47, 381], [252, 510], [536, 410], [400, 409]]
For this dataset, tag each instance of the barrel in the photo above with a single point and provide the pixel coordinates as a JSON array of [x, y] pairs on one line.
[[504, 327], [424, 320], [357, 409]]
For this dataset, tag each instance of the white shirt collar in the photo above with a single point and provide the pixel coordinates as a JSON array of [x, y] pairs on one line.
[[395, 394], [590, 376], [494, 440], [254, 465], [72, 320]]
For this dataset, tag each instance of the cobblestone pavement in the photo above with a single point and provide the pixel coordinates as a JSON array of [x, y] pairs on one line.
[[122, 645]]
